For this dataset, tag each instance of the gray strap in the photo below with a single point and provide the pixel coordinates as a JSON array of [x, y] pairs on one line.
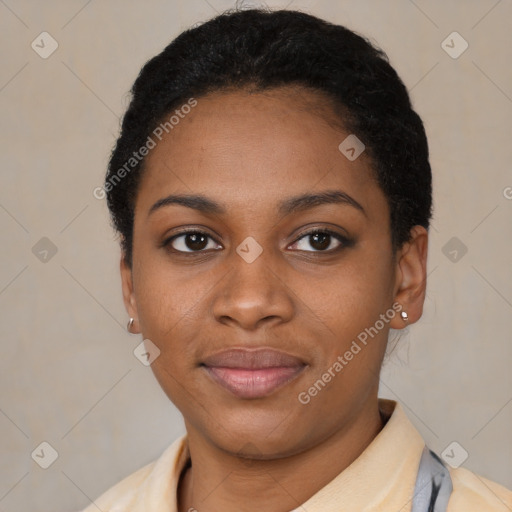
[[433, 484]]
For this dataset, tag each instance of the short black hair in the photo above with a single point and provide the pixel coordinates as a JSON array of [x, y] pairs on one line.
[[263, 49]]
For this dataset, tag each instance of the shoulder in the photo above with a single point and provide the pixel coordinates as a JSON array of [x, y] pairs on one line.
[[150, 484], [473, 492], [123, 493]]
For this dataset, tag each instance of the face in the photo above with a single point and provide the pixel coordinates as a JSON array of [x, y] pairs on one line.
[[283, 282]]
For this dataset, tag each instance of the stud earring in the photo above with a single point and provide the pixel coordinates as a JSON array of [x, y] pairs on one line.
[[129, 326], [404, 316]]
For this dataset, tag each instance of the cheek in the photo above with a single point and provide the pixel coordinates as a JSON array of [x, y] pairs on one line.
[[349, 298], [346, 308], [165, 296], [168, 313]]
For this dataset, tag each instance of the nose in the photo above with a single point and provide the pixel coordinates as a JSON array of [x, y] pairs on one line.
[[253, 294]]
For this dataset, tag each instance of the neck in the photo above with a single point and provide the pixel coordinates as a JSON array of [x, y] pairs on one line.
[[220, 481]]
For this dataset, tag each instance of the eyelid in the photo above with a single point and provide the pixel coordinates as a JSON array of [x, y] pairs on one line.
[[342, 239], [185, 231]]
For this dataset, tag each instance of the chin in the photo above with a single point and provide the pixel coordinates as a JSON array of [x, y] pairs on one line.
[[258, 436]]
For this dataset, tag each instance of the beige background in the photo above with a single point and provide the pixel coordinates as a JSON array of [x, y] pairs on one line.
[[68, 375]]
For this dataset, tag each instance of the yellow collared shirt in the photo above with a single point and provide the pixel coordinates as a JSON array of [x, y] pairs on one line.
[[381, 479]]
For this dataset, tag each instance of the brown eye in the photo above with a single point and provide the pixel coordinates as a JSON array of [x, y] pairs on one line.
[[191, 241], [321, 241]]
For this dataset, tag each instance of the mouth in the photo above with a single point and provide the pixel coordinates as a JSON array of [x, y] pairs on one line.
[[253, 373]]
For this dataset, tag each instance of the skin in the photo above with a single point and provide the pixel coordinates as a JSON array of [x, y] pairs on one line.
[[249, 151]]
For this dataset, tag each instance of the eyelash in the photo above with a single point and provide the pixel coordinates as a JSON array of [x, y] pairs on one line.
[[345, 242]]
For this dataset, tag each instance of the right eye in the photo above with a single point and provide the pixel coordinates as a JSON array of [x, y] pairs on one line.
[[189, 242]]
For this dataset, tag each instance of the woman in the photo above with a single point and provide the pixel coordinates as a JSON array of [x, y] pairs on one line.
[[272, 191]]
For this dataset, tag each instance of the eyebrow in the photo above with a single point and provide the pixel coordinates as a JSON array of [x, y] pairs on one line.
[[290, 205]]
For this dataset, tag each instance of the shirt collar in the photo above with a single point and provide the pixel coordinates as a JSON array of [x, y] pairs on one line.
[[382, 478]]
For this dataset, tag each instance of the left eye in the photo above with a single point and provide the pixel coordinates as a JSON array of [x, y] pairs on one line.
[[321, 241]]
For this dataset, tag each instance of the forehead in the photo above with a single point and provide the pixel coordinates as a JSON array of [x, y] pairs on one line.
[[259, 147]]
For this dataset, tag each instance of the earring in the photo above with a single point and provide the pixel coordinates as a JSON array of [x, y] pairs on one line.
[[129, 326], [404, 316]]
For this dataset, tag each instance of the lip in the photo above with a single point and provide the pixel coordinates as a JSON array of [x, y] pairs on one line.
[[254, 373]]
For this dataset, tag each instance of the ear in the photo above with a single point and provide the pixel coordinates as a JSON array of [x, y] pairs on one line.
[[128, 293], [411, 277]]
